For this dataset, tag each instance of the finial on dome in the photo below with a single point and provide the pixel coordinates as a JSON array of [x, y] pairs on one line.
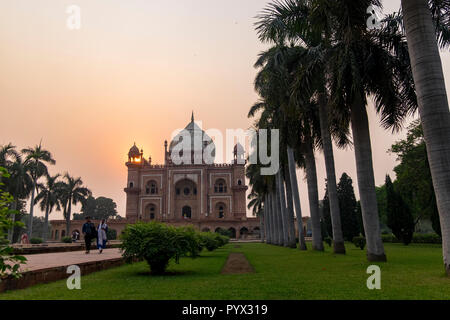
[[192, 118]]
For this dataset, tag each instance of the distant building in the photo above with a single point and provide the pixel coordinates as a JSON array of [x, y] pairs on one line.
[[206, 196]]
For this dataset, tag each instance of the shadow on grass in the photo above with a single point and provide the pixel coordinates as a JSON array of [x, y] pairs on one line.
[[167, 274]]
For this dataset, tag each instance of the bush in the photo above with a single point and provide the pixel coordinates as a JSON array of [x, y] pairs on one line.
[[328, 240], [209, 240], [430, 238], [36, 241], [192, 241], [155, 243], [66, 240], [111, 234], [359, 242]]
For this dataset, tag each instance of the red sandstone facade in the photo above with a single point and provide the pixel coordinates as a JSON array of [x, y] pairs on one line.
[[205, 196]]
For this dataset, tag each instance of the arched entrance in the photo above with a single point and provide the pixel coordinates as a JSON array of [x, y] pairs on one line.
[[187, 212], [232, 232], [243, 233]]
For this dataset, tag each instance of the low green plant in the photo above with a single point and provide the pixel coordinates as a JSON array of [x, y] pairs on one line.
[[193, 241], [9, 263], [429, 238], [209, 240], [66, 240], [36, 241], [359, 242], [155, 243], [328, 241]]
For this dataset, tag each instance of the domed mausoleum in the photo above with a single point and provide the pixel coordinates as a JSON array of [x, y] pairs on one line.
[[195, 192]]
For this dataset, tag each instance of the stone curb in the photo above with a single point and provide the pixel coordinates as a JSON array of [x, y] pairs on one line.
[[31, 278]]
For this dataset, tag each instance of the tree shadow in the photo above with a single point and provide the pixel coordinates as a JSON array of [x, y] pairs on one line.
[[167, 274]]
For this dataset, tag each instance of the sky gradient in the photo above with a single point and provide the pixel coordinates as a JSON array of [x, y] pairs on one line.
[[133, 73]]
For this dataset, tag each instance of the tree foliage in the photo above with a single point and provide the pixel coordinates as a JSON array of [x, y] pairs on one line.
[[98, 209], [9, 263], [399, 217], [348, 208], [414, 181]]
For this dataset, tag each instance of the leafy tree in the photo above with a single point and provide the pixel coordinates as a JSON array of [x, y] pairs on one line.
[[399, 217], [9, 263], [348, 205], [414, 181], [98, 209], [348, 209]]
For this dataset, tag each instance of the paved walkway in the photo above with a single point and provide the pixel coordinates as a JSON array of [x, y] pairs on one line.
[[51, 260]]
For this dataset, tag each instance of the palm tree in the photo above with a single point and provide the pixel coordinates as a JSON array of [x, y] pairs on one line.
[[295, 121], [72, 192], [432, 97], [36, 160], [256, 204], [20, 184], [6, 153], [296, 197], [359, 62], [48, 197]]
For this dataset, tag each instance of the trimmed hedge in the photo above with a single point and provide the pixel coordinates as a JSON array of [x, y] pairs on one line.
[[429, 238]]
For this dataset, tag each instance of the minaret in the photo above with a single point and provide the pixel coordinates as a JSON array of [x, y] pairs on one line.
[[166, 158]]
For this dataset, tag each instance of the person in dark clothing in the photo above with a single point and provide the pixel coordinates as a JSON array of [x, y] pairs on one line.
[[89, 233]]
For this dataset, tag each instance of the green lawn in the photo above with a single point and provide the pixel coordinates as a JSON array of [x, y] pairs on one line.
[[413, 272]]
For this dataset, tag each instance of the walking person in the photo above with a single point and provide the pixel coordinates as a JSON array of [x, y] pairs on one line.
[[89, 233], [102, 236]]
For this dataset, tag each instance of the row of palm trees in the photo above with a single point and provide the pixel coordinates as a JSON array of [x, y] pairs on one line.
[[314, 86], [30, 179]]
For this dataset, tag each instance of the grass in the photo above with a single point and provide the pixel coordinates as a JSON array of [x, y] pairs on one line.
[[413, 272]]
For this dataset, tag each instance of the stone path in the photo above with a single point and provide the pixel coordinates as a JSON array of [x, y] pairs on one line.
[[52, 260], [237, 263]]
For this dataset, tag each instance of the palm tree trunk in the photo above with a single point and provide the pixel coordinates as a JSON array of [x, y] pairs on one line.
[[338, 237], [290, 212], [30, 223], [296, 196], [313, 195], [68, 213], [13, 218], [266, 219], [366, 182], [433, 106], [281, 198], [261, 228], [276, 220], [45, 230]]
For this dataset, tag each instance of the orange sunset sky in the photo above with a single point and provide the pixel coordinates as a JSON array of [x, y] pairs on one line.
[[133, 73]]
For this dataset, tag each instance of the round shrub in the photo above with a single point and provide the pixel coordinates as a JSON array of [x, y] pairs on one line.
[[192, 241], [209, 240], [155, 243], [66, 240], [359, 242], [36, 241]]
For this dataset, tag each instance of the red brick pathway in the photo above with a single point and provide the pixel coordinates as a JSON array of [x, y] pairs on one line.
[[51, 260]]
